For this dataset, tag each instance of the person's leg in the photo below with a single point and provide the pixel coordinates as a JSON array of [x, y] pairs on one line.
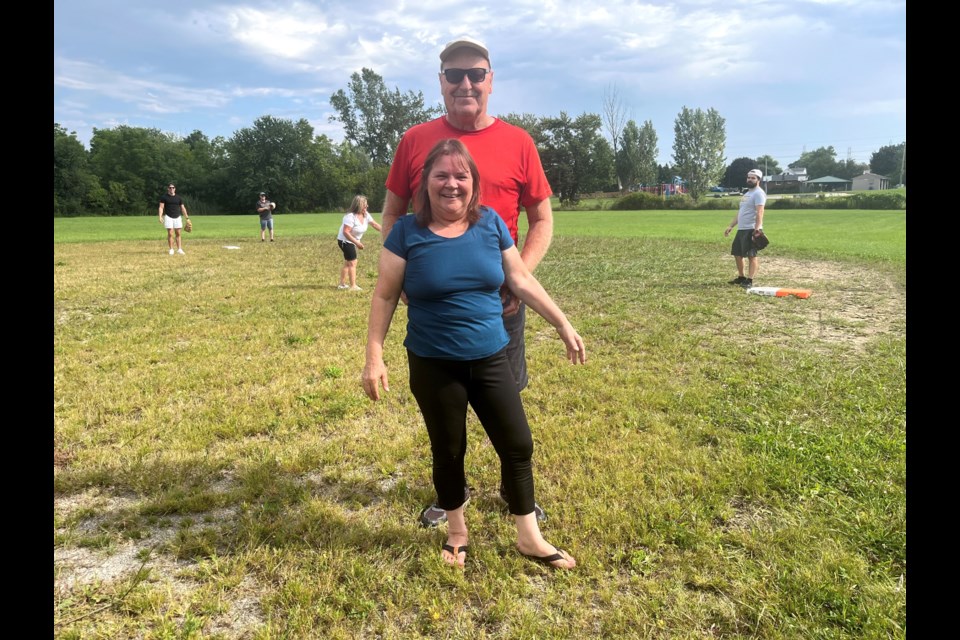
[[352, 273], [179, 240], [344, 273], [440, 391], [455, 551], [530, 542], [263, 228], [495, 399], [739, 260], [517, 356], [498, 405], [754, 264], [270, 226], [170, 238]]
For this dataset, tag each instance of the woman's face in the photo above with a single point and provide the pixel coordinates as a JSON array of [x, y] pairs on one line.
[[450, 186]]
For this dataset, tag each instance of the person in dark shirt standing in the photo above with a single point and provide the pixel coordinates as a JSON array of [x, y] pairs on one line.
[[170, 212]]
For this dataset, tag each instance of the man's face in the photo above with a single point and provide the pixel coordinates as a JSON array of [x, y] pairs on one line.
[[171, 189], [466, 99], [752, 181]]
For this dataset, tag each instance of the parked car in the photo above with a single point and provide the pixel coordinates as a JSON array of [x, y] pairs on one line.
[[717, 189]]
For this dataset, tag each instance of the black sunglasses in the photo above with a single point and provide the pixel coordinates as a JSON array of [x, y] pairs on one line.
[[455, 76]]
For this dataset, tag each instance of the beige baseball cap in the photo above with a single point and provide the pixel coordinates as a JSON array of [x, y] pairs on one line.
[[464, 42]]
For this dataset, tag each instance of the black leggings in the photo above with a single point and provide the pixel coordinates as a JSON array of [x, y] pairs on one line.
[[442, 389]]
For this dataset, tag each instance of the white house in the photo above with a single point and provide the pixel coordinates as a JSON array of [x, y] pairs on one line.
[[870, 182]]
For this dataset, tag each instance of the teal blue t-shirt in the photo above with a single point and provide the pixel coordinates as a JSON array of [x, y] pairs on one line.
[[453, 287]]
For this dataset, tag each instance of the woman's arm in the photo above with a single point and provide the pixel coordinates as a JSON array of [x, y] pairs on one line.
[[526, 287], [385, 297]]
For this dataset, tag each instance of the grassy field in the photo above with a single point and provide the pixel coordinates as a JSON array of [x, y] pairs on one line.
[[724, 466]]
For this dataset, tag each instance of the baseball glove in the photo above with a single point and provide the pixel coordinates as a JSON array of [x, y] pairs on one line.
[[188, 226], [760, 240]]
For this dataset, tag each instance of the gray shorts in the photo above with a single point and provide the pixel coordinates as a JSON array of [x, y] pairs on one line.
[[743, 244], [516, 348]]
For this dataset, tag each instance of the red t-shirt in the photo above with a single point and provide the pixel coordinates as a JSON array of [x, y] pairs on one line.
[[511, 174]]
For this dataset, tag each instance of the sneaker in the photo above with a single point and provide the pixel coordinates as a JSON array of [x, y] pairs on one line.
[[355, 288], [171, 251], [180, 251], [738, 280], [343, 286], [537, 509], [747, 283], [433, 515], [271, 239]]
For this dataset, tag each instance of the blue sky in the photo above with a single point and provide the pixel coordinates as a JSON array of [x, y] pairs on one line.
[[786, 76]]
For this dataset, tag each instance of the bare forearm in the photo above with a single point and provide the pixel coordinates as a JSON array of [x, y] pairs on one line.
[[539, 234], [381, 315], [529, 289]]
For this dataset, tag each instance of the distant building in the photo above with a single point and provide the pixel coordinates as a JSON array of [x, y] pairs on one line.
[[790, 180], [795, 175], [828, 183], [870, 182]]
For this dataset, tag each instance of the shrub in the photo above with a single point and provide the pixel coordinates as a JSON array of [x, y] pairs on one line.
[[639, 201], [877, 200]]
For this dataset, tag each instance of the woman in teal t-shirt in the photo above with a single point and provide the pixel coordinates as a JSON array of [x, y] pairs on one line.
[[450, 259]]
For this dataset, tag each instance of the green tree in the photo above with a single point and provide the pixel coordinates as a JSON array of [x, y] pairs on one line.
[[849, 169], [818, 163], [271, 156], [768, 165], [666, 173], [135, 163], [374, 118], [736, 174], [698, 145], [889, 161], [570, 155], [637, 159], [76, 190]]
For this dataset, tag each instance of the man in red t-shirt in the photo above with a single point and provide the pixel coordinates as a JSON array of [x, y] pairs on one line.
[[511, 176]]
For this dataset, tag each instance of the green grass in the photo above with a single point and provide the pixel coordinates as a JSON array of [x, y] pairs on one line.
[[724, 466]]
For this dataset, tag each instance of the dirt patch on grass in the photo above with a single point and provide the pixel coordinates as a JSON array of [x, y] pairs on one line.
[[849, 305], [88, 519]]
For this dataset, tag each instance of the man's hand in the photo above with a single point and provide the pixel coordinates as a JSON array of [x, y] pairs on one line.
[[726, 231], [510, 302]]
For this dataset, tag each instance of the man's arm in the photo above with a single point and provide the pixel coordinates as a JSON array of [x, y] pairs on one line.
[[393, 207], [160, 211], [535, 245], [183, 210], [759, 223], [539, 233]]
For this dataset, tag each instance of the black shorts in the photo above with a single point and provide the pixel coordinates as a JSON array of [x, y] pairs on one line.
[[743, 244], [349, 250]]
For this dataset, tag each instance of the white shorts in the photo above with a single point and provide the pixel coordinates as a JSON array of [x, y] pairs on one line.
[[172, 223]]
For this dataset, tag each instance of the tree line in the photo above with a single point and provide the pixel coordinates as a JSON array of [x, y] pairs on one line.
[[126, 168]]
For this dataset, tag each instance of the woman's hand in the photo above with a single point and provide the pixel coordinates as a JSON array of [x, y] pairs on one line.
[[374, 373], [359, 244], [576, 351]]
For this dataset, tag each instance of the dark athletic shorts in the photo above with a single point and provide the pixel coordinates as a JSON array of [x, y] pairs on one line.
[[743, 244], [349, 250]]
